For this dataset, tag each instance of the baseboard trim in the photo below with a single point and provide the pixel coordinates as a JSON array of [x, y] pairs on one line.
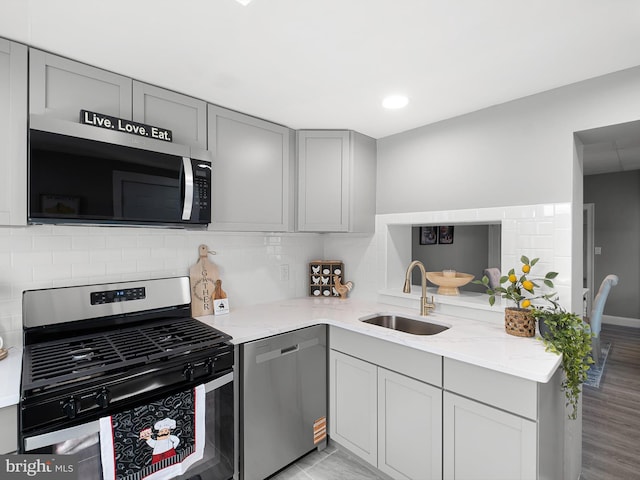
[[621, 321]]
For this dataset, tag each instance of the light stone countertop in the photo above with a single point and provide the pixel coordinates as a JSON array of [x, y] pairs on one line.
[[478, 342], [10, 371]]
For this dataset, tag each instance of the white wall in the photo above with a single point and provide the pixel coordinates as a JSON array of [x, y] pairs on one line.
[[51, 256], [359, 254], [518, 153]]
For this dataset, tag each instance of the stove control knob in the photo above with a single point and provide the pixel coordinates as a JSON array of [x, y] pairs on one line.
[[71, 407], [102, 398], [209, 365], [188, 372]]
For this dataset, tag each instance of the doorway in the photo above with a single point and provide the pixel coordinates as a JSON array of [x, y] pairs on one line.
[[588, 252]]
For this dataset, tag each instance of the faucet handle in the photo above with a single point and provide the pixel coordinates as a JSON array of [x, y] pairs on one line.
[[426, 305], [430, 304]]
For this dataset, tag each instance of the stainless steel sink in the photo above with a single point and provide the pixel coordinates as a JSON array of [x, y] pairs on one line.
[[404, 324]]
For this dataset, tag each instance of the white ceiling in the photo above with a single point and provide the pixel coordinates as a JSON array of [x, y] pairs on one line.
[[614, 148], [329, 63]]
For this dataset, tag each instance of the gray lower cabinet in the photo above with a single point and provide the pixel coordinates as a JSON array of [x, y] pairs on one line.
[[185, 116], [482, 442], [13, 133], [336, 181], [409, 427], [416, 415], [9, 421], [389, 419], [60, 88], [252, 183], [502, 427], [353, 405]]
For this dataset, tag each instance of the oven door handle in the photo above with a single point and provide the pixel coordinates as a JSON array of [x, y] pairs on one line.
[[218, 382], [91, 428], [59, 436]]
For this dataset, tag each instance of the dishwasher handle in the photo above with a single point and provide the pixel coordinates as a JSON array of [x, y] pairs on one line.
[[281, 352], [291, 349]]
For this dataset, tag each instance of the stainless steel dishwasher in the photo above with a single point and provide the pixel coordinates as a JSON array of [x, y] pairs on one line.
[[283, 398]]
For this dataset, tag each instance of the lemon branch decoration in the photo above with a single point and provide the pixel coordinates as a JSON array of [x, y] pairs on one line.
[[521, 290]]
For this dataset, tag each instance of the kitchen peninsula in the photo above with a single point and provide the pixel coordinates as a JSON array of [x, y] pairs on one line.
[[470, 397]]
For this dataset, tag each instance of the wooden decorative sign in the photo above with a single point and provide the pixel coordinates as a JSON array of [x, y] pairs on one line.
[[126, 126], [203, 275]]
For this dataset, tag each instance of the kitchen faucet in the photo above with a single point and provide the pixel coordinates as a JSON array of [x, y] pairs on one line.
[[425, 305]]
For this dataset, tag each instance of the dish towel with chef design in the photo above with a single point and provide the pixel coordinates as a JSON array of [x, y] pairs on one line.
[[155, 441]]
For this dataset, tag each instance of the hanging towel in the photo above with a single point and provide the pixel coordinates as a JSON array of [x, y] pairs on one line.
[[156, 441]]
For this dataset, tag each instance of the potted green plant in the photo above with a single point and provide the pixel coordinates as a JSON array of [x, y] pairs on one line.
[[521, 290], [567, 334]]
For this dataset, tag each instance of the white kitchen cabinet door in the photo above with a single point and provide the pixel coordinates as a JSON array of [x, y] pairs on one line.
[[481, 442], [336, 181], [13, 133], [252, 177], [60, 88], [409, 427], [353, 405], [185, 116]]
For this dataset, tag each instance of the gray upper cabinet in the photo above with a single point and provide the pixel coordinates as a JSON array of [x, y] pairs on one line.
[[185, 116], [13, 133], [60, 88], [336, 181], [252, 173]]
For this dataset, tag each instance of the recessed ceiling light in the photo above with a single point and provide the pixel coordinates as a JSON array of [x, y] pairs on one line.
[[393, 102], [244, 2]]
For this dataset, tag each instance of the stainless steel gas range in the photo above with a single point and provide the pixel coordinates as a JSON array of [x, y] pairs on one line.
[[95, 350]]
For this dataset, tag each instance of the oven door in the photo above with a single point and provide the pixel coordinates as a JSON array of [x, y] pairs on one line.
[[217, 463]]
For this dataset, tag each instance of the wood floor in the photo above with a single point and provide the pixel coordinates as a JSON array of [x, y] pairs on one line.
[[611, 414]]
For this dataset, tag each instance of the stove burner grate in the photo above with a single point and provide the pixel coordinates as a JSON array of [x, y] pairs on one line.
[[62, 362]]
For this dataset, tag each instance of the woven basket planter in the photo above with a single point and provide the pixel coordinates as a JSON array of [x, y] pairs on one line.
[[519, 322]]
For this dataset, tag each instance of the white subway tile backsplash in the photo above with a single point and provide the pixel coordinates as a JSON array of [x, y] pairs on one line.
[[87, 242], [5, 260], [562, 242], [121, 241], [151, 241], [51, 272], [71, 256], [106, 255], [28, 258], [88, 270], [121, 267], [52, 242], [46, 256], [544, 228]]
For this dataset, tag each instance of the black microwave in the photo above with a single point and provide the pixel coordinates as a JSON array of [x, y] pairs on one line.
[[79, 174]]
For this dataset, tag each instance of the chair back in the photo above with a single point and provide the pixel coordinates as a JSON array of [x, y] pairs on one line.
[[493, 274], [595, 319]]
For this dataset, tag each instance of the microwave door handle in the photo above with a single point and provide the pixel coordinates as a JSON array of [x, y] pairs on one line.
[[188, 189]]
